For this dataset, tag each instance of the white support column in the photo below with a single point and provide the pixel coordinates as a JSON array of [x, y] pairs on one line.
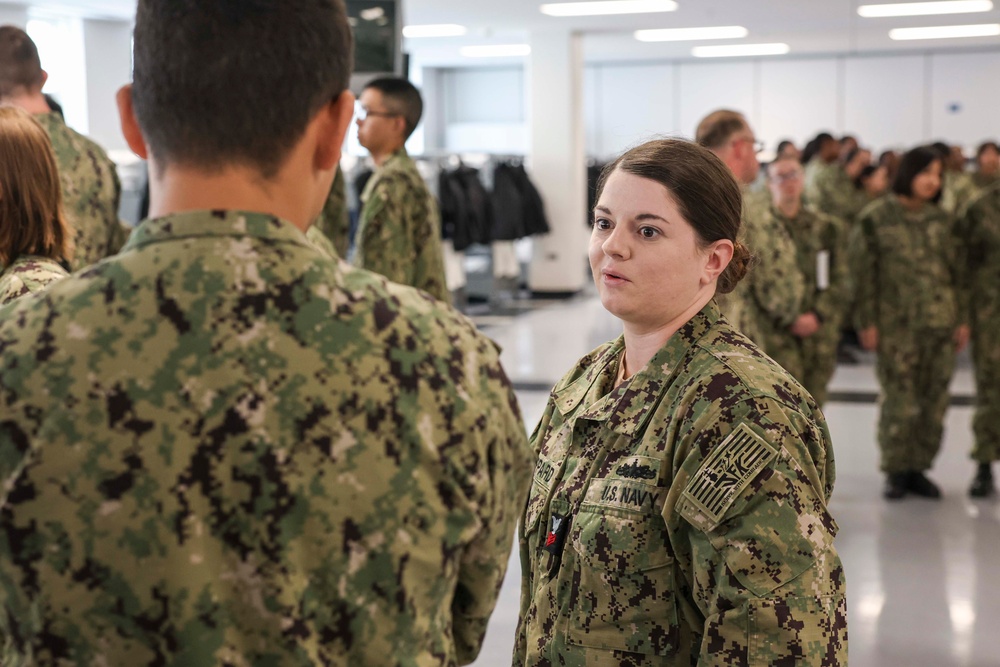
[[16, 15], [108, 53], [557, 160]]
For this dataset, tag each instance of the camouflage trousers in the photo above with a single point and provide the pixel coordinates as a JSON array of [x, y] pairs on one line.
[[914, 371], [986, 420], [811, 360]]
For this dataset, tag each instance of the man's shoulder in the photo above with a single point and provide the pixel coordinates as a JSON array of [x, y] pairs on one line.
[[66, 139], [310, 295]]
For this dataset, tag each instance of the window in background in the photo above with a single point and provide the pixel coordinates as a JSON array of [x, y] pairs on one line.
[[60, 48]]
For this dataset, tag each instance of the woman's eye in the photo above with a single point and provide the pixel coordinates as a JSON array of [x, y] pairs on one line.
[[602, 223], [648, 232]]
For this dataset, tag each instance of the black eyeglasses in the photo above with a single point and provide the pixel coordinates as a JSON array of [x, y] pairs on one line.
[[363, 113]]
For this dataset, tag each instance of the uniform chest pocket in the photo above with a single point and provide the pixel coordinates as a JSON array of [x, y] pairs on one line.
[[622, 595]]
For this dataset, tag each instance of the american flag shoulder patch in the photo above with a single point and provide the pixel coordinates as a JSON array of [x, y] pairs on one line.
[[727, 472]]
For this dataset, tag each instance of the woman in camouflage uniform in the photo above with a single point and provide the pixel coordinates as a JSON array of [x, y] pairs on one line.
[[906, 268], [34, 237], [678, 513]]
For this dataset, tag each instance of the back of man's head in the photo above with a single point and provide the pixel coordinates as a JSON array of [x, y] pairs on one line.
[[235, 82], [20, 68], [715, 129], [402, 97]]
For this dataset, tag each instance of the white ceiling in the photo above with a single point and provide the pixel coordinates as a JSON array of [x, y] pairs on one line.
[[809, 27]]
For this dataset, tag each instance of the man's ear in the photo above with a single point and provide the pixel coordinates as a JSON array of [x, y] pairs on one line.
[[130, 126], [336, 120]]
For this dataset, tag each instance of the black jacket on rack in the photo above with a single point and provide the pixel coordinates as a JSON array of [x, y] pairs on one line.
[[518, 210], [466, 215]]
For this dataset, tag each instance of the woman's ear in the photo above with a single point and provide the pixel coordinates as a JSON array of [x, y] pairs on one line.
[[720, 253]]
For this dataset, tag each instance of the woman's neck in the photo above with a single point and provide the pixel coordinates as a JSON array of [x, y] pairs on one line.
[[642, 343]]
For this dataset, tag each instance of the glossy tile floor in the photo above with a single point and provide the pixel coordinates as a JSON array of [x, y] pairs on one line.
[[923, 576]]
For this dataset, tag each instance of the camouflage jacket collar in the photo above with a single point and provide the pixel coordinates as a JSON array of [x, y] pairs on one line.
[[627, 408], [929, 211], [29, 263], [397, 159], [49, 120], [214, 223]]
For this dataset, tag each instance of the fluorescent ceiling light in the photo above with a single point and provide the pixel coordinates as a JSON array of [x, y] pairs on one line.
[[736, 50], [691, 34], [605, 7], [925, 8], [946, 31], [495, 50], [434, 30]]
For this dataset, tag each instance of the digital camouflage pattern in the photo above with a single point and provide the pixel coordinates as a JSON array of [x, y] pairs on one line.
[[831, 191], [28, 275], [980, 232], [693, 500], [908, 275], [335, 220], [399, 233], [957, 189], [91, 192], [819, 239], [814, 169], [322, 242], [771, 294], [222, 447], [958, 192]]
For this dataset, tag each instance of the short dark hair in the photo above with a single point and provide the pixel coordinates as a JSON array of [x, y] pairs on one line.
[[864, 174], [783, 143], [235, 81], [942, 148], [704, 188], [985, 146], [401, 97], [20, 67], [912, 163], [718, 127]]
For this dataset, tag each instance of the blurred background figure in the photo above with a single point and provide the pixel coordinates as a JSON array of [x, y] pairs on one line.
[[92, 191], [907, 269], [808, 348], [788, 149], [35, 243], [873, 181]]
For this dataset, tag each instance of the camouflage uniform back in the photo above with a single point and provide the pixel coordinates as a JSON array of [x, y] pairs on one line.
[[335, 220], [399, 234], [223, 447], [980, 232], [831, 191], [819, 239], [907, 269], [28, 275], [91, 192]]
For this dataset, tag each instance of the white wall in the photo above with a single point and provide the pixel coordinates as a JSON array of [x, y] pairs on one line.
[[108, 53], [14, 15], [885, 100], [482, 110], [966, 105], [888, 101], [798, 99]]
